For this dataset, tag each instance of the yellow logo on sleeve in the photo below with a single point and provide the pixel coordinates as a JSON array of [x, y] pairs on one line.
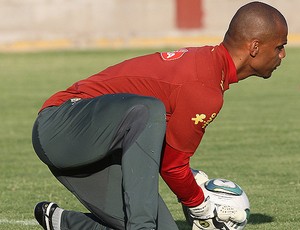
[[201, 118]]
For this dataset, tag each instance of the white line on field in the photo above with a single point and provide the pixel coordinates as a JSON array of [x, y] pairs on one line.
[[19, 222]]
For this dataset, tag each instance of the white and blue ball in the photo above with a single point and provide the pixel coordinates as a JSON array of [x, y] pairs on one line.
[[222, 192]]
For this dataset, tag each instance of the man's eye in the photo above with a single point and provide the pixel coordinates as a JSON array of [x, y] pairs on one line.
[[280, 47]]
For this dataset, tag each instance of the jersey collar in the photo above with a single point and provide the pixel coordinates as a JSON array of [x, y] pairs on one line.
[[230, 75]]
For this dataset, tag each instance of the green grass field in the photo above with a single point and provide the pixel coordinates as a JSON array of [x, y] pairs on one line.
[[255, 141]]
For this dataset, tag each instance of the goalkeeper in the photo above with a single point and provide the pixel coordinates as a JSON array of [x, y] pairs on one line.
[[102, 138]]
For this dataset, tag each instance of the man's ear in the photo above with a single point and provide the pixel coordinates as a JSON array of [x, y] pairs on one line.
[[254, 48]]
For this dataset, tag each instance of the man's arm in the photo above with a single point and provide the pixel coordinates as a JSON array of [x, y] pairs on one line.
[[176, 172]]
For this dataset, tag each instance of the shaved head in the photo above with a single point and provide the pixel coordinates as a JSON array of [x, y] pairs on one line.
[[255, 20], [255, 39]]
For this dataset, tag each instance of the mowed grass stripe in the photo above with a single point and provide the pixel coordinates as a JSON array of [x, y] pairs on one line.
[[18, 222]]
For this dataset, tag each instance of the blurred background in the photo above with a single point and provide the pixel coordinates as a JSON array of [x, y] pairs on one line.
[[84, 24]]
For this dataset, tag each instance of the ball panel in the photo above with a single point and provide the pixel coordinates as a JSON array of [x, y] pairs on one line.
[[223, 186], [225, 192]]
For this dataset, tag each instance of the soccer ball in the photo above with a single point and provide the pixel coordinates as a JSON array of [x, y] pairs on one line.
[[221, 192]]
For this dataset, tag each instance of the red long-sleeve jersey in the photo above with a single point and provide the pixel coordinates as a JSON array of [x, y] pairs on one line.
[[190, 82]]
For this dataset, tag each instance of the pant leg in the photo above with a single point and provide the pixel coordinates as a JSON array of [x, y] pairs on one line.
[[81, 186], [165, 220], [119, 128], [140, 169], [99, 188], [77, 220], [72, 220]]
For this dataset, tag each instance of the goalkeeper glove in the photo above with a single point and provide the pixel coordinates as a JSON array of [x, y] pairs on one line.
[[208, 210], [205, 210], [226, 213]]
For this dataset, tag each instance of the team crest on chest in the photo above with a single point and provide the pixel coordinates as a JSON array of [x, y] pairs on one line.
[[170, 56]]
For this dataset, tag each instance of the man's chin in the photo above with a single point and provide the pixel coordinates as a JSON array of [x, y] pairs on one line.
[[266, 77]]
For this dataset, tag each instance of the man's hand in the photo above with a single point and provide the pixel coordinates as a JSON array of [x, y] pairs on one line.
[[226, 213], [207, 210]]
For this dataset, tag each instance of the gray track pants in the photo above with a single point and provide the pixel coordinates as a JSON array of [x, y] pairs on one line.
[[106, 151]]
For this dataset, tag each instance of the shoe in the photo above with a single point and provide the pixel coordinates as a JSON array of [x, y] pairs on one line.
[[43, 213]]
